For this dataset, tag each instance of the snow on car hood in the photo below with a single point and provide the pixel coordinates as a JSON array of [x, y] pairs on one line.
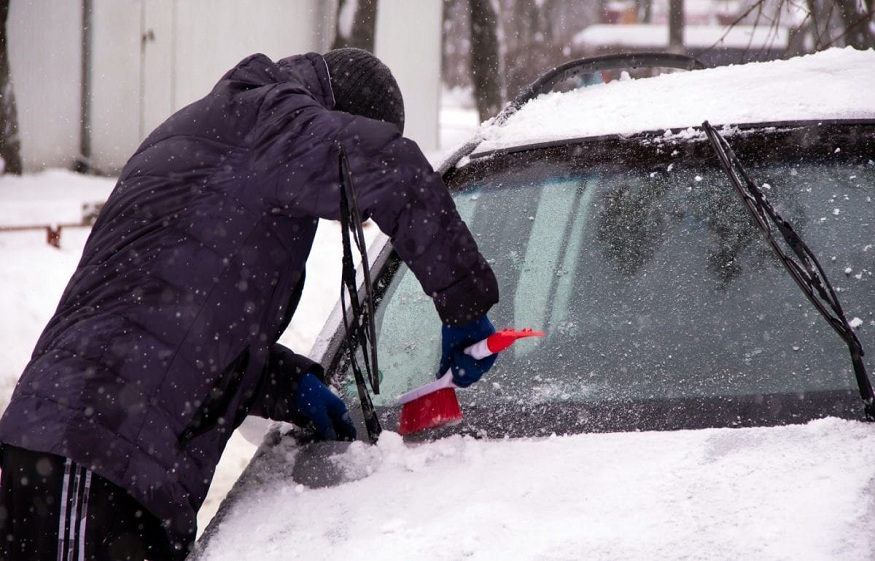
[[794, 492], [832, 84]]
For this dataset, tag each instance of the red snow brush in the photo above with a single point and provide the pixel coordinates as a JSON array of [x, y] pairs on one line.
[[435, 404]]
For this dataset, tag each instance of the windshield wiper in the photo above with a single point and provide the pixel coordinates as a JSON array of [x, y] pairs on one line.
[[360, 328], [805, 269]]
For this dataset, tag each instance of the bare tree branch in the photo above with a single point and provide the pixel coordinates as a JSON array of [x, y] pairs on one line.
[[856, 33]]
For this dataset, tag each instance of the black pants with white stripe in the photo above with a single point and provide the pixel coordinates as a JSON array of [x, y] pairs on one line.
[[53, 509]]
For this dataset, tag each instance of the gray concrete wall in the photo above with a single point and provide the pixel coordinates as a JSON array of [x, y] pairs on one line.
[[45, 60], [152, 57], [149, 58], [409, 37]]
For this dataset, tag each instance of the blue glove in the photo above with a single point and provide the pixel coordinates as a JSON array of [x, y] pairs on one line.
[[454, 340], [328, 413]]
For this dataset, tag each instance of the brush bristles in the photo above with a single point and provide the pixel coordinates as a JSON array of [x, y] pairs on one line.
[[430, 411]]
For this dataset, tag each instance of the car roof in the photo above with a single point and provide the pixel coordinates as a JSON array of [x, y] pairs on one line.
[[836, 84]]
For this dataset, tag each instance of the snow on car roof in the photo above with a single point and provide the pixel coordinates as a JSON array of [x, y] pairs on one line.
[[832, 84]]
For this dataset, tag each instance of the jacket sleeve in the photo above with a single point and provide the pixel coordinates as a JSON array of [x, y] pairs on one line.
[[298, 155], [279, 382]]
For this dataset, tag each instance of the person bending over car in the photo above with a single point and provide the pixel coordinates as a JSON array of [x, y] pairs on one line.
[[165, 338]]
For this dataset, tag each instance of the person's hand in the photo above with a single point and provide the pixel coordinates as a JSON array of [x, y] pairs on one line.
[[454, 340], [328, 413]]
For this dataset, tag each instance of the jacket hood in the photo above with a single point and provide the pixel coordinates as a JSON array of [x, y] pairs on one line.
[[307, 70]]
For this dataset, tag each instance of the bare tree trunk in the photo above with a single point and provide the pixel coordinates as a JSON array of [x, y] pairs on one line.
[[10, 148], [485, 64], [528, 54], [644, 10], [456, 63], [356, 24], [676, 25]]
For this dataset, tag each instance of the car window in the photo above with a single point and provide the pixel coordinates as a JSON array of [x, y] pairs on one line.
[[650, 281]]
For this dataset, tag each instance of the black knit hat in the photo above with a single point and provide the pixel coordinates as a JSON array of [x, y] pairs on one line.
[[364, 86]]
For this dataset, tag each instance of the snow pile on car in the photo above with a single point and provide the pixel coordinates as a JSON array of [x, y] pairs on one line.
[[829, 85], [795, 492]]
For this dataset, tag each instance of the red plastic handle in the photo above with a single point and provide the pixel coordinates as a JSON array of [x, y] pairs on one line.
[[501, 340]]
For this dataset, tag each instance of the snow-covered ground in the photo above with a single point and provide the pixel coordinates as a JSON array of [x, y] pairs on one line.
[[801, 492]]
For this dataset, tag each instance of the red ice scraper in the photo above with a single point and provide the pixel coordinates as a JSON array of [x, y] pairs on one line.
[[435, 404]]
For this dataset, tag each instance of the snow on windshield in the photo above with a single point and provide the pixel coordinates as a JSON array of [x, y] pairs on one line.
[[833, 84]]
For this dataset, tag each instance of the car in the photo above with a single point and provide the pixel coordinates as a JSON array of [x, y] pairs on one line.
[[697, 247]]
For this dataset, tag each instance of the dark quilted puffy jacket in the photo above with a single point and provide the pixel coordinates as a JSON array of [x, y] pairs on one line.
[[165, 337]]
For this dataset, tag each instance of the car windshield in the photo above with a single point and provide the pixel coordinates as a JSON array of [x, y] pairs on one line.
[[650, 280]]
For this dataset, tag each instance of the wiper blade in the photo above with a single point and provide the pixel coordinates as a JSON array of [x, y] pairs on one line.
[[360, 329], [802, 265]]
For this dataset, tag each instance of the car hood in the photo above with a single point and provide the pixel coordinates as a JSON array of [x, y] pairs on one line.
[[803, 491], [830, 85]]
